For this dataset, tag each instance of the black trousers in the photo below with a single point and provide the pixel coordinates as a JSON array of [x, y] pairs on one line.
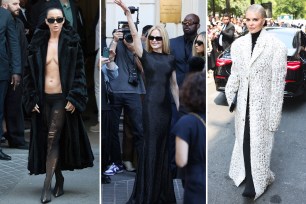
[[246, 151], [3, 90], [133, 106], [14, 116]]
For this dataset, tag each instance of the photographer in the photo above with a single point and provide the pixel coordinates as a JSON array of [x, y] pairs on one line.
[[126, 91]]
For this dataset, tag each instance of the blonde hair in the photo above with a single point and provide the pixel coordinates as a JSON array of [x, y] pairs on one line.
[[256, 8], [194, 52], [165, 37]]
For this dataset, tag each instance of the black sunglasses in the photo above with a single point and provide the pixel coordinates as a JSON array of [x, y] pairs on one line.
[[157, 38], [189, 23], [199, 42], [58, 20]]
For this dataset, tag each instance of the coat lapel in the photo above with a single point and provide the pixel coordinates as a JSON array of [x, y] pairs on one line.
[[259, 47], [63, 63]]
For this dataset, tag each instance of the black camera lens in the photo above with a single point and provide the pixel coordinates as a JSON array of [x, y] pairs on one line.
[[128, 38]]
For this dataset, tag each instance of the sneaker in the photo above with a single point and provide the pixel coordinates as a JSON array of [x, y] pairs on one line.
[[129, 166], [114, 169], [95, 128]]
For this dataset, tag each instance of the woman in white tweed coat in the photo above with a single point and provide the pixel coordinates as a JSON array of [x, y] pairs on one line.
[[258, 75]]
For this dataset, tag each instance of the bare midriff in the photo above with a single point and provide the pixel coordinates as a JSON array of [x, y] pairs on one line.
[[52, 74]]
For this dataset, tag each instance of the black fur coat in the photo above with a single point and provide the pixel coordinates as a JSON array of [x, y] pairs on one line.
[[75, 149]]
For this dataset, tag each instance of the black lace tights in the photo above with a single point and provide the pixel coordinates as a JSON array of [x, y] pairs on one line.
[[55, 117]]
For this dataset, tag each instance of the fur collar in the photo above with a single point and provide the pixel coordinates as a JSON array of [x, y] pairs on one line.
[[42, 35]]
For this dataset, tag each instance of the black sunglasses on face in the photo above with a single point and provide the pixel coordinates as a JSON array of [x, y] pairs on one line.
[[157, 38], [199, 42], [52, 20], [189, 23]]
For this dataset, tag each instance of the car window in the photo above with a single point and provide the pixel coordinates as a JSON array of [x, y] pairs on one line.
[[289, 39]]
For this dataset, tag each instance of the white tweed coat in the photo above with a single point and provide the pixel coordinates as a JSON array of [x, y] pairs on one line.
[[263, 73]]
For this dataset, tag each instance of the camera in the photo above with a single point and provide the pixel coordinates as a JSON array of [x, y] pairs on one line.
[[133, 78], [123, 26]]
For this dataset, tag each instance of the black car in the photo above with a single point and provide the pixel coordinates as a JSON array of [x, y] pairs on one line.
[[295, 41]]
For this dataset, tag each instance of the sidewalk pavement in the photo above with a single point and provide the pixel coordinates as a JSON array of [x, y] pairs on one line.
[[81, 186], [121, 187]]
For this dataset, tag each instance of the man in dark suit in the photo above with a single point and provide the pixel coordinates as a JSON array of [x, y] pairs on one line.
[[227, 31], [10, 62], [13, 101], [24, 16], [181, 46], [181, 49]]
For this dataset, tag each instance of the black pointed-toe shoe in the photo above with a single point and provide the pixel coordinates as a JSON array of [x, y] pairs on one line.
[[4, 156]]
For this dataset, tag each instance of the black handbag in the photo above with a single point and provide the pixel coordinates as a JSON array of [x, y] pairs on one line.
[[234, 103]]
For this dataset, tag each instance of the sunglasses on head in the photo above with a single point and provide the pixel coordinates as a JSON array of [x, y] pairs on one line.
[[58, 20], [157, 38], [199, 42]]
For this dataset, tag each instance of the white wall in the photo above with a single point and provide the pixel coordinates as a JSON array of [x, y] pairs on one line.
[[149, 14]]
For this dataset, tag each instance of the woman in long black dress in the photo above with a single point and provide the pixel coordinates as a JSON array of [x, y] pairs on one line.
[[153, 183]]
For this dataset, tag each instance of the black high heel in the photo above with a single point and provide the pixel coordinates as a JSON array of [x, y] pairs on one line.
[[59, 187], [46, 194]]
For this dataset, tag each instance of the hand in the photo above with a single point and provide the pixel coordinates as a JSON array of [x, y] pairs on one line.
[[15, 81], [104, 60], [70, 107], [36, 109], [117, 35], [112, 55], [122, 5]]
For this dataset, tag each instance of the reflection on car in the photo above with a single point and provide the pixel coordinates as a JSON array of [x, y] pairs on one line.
[[295, 41]]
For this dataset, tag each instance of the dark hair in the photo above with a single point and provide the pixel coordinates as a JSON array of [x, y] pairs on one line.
[[146, 29], [196, 64], [227, 15], [193, 92], [52, 8]]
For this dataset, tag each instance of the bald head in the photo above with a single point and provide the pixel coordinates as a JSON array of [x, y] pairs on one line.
[[194, 17], [12, 6], [191, 24]]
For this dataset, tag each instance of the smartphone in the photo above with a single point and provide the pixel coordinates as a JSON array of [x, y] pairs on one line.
[[105, 52]]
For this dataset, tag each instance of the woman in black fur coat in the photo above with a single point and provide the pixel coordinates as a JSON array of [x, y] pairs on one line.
[[55, 94]]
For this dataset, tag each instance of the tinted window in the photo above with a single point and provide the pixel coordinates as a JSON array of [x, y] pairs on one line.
[[288, 38]]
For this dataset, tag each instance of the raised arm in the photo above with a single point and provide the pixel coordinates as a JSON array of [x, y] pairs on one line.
[[134, 33]]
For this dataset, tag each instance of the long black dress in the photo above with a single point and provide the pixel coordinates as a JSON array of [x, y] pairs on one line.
[[153, 183]]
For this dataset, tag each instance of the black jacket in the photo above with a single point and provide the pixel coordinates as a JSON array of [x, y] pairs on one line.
[[228, 35], [75, 150], [10, 60]]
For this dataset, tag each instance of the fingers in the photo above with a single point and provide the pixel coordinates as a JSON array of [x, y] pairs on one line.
[[15, 81], [36, 109], [104, 60], [70, 107]]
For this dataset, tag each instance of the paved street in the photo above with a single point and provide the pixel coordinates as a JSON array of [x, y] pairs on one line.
[[288, 156], [81, 186], [119, 191]]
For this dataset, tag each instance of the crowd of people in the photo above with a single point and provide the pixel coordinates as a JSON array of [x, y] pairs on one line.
[[42, 45], [231, 28], [143, 79]]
